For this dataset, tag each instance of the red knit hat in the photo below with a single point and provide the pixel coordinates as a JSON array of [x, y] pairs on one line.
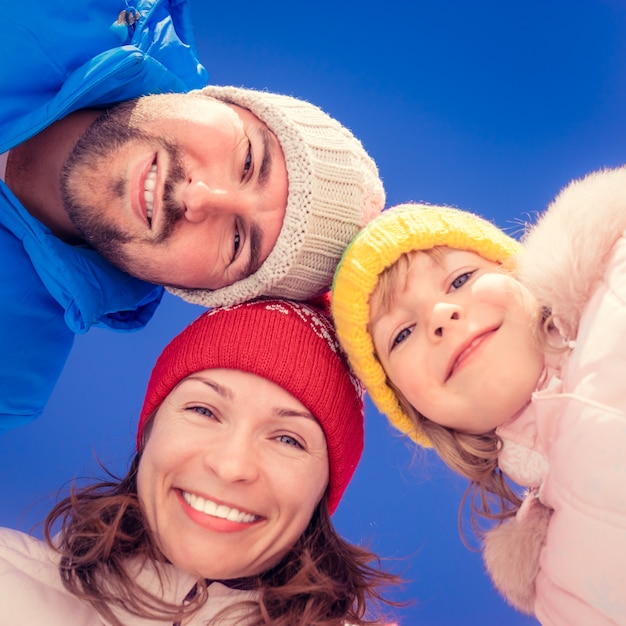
[[289, 343]]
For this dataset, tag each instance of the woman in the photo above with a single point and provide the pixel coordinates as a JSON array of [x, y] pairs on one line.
[[251, 429]]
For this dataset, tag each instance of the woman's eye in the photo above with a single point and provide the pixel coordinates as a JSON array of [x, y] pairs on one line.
[[401, 336], [459, 281], [202, 410], [290, 441]]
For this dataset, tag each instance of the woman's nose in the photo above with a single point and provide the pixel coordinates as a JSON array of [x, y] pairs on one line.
[[233, 460]]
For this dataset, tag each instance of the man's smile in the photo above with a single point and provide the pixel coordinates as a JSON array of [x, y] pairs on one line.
[[148, 193]]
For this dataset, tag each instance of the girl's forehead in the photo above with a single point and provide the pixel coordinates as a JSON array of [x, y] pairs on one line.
[[395, 277], [417, 263], [444, 256]]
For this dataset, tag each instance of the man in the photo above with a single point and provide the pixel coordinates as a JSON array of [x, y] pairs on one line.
[[221, 194]]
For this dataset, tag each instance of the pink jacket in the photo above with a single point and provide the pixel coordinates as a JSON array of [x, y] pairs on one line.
[[565, 561], [31, 591]]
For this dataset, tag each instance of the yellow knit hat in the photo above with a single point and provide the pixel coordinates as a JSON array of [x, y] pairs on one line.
[[379, 245]]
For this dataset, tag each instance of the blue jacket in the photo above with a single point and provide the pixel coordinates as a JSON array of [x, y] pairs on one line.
[[63, 57]]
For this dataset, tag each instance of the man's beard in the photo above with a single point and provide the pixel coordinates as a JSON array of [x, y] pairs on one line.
[[109, 133]]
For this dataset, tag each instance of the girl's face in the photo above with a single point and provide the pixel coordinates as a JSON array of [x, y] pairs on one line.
[[231, 473], [458, 340]]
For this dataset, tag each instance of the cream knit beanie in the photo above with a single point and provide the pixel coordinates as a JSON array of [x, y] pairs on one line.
[[334, 190]]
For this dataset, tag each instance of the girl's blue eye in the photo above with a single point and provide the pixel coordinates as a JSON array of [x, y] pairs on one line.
[[459, 281], [290, 441], [401, 336]]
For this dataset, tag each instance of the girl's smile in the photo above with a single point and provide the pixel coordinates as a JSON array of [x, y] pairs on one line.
[[457, 340]]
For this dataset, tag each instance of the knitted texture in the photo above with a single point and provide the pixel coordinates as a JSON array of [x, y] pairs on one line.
[[291, 344], [379, 245], [334, 190]]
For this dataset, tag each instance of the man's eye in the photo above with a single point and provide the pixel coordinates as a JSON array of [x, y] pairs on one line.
[[459, 281], [247, 165], [236, 243]]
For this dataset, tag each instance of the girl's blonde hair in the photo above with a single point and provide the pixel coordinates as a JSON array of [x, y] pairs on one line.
[[474, 457]]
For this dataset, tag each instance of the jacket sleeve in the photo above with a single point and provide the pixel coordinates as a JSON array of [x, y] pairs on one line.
[[583, 566], [574, 261], [34, 338], [31, 589], [81, 58]]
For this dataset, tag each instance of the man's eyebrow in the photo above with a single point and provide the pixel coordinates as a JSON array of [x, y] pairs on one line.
[[254, 262], [256, 237], [268, 152]]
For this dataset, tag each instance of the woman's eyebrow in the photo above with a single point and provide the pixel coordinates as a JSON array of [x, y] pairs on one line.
[[285, 412], [222, 390]]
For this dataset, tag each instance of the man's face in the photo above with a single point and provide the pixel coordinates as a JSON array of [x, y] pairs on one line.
[[177, 189]]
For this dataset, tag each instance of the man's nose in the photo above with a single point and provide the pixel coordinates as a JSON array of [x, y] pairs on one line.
[[443, 314], [201, 200]]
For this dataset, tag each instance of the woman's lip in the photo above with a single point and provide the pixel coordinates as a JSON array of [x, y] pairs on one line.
[[466, 349], [212, 522], [190, 495]]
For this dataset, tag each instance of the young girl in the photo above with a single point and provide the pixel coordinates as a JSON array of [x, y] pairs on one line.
[[509, 361], [251, 429]]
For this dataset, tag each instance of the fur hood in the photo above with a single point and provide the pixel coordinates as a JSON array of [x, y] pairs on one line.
[[566, 252]]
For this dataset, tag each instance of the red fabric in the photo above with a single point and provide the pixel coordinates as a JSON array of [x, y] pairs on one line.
[[292, 344]]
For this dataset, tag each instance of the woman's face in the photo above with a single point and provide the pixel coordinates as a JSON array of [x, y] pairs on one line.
[[231, 473]]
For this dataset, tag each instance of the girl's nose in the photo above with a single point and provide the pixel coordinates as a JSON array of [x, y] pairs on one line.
[[443, 315]]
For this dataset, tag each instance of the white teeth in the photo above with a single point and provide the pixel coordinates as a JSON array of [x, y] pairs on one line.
[[217, 510], [148, 192]]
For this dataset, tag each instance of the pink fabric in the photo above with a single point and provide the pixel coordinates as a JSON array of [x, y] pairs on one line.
[[31, 591], [570, 442], [511, 553]]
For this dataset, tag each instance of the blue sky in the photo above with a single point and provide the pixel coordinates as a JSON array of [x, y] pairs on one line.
[[488, 106]]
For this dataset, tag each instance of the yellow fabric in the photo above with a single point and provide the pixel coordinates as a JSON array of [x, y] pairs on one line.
[[379, 245]]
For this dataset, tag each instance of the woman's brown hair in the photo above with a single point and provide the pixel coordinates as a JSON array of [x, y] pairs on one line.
[[322, 581]]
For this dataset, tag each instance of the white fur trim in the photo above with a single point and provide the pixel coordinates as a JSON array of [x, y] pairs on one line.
[[565, 254]]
